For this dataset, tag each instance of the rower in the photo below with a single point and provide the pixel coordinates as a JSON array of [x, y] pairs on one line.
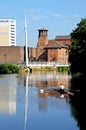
[[61, 88]]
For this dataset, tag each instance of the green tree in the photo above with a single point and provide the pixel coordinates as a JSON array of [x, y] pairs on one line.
[[77, 50]]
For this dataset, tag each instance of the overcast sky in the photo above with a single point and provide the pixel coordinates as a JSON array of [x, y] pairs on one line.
[[59, 17]]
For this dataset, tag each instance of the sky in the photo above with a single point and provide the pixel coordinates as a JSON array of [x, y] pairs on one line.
[[59, 17]]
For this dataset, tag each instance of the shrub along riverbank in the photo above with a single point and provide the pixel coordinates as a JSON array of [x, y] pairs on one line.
[[8, 68], [59, 69]]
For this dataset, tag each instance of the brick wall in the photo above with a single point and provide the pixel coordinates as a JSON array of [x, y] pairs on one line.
[[13, 54], [52, 55]]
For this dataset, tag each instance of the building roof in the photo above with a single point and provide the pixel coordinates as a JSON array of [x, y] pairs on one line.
[[63, 37], [52, 46], [55, 45]]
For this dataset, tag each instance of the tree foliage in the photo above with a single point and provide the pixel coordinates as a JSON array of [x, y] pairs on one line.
[[77, 50]]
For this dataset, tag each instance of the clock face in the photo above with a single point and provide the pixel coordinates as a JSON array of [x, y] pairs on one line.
[[41, 43]]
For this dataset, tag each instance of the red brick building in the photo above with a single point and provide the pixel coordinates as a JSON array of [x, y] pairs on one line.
[[46, 50], [53, 50]]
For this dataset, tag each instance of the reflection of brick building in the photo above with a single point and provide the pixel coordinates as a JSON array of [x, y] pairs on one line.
[[47, 50]]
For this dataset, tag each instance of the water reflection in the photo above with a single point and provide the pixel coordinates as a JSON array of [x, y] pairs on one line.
[[45, 94], [37, 106], [42, 100], [46, 79], [78, 101], [26, 101], [44, 82], [8, 95]]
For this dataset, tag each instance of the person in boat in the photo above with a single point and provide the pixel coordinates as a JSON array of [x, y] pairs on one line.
[[61, 90]]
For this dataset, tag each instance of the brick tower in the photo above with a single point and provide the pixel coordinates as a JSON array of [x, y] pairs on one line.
[[42, 42]]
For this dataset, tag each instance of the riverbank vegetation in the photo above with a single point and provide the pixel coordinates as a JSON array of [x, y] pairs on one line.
[[77, 50], [8, 68], [48, 69], [77, 56]]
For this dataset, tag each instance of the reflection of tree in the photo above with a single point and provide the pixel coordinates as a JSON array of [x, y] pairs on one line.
[[78, 102], [75, 109]]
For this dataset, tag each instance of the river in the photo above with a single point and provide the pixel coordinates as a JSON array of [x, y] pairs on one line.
[[24, 106]]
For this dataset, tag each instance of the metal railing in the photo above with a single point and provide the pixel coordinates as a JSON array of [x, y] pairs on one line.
[[46, 64]]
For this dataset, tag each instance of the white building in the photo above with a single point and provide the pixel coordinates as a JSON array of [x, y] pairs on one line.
[[7, 32]]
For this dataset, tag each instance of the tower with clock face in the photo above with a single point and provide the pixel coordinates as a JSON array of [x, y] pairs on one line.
[[42, 41]]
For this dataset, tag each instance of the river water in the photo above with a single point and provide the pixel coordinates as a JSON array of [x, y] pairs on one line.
[[27, 102]]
